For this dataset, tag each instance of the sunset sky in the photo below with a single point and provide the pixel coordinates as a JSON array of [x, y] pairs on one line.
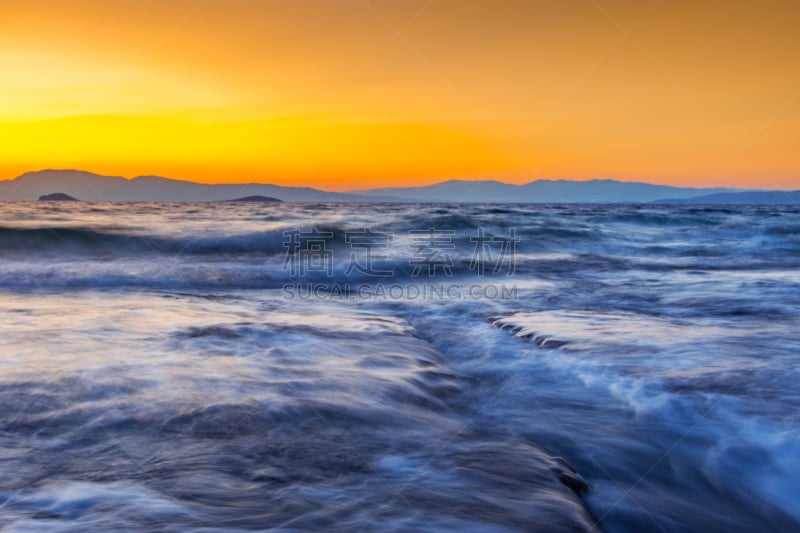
[[348, 94]]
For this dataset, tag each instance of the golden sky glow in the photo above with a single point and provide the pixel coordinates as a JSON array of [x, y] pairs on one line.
[[343, 94]]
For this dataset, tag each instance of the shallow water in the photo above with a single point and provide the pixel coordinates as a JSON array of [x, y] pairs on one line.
[[164, 368]]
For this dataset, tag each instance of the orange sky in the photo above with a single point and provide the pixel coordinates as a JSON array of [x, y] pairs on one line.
[[343, 94]]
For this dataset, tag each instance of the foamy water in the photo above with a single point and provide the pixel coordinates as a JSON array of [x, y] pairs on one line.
[[162, 368]]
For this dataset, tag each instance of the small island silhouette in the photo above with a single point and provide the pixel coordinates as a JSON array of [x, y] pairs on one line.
[[57, 197], [255, 198]]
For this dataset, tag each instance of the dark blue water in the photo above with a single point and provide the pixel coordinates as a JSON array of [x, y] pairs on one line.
[[424, 368]]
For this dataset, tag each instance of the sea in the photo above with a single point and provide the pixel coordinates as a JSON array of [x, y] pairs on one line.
[[290, 367]]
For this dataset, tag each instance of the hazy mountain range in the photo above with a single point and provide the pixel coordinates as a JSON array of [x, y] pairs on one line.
[[741, 198], [88, 186], [545, 191]]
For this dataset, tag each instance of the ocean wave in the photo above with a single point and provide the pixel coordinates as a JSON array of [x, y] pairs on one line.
[[178, 379], [89, 241]]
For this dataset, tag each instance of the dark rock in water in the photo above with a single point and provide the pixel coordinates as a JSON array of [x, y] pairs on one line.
[[574, 481], [57, 197], [543, 341], [570, 476], [255, 198]]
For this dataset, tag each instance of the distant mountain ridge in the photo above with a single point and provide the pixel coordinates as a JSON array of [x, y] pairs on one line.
[[741, 198], [88, 186], [543, 191]]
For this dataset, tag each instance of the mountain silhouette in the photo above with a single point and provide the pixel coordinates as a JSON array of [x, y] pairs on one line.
[[95, 187], [544, 191], [741, 198]]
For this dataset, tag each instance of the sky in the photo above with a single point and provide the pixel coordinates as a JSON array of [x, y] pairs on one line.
[[351, 94]]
